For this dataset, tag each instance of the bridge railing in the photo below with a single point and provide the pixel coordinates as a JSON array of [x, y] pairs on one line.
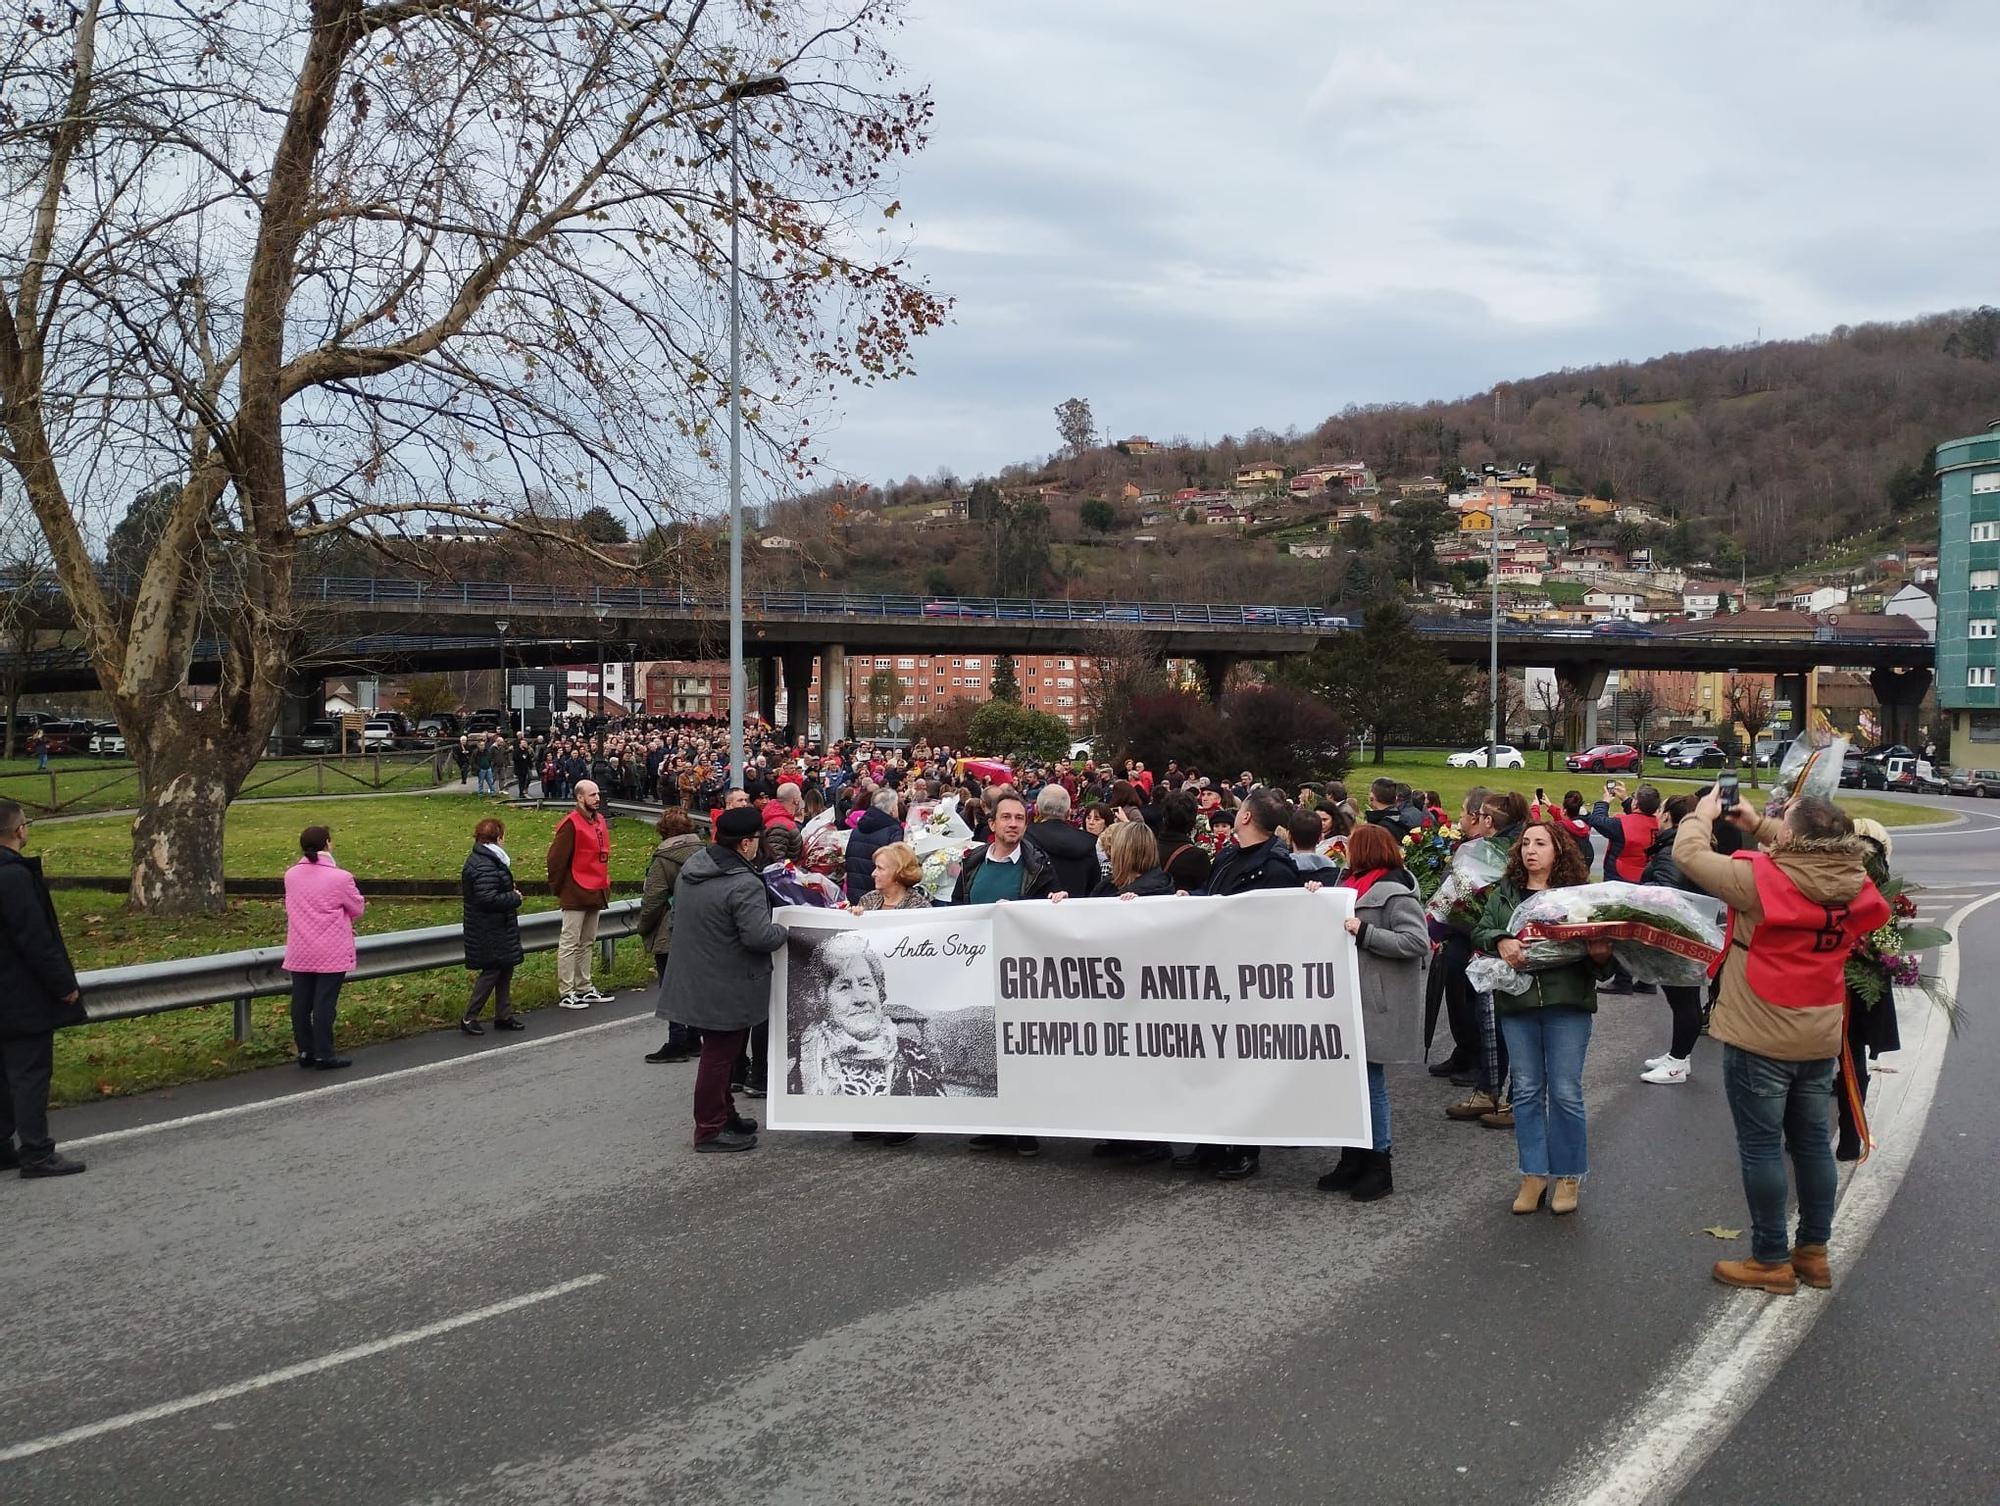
[[124, 993]]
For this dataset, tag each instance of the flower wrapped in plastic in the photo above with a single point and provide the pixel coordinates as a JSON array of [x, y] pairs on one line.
[[1427, 854], [823, 845], [1660, 934], [940, 839], [1811, 766], [1461, 893]]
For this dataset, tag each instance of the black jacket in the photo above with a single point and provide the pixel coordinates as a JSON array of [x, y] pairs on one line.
[[1396, 822], [1152, 881], [1072, 853], [35, 970], [1038, 876], [1661, 867], [1268, 865], [1186, 861], [873, 832], [492, 930]]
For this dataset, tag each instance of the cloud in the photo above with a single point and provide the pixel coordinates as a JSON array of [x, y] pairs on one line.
[[1206, 219]]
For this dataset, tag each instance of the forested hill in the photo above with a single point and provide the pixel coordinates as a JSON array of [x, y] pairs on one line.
[[1784, 444]]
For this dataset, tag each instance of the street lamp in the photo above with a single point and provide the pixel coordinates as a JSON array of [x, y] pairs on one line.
[[749, 88], [1493, 643], [506, 699], [600, 612]]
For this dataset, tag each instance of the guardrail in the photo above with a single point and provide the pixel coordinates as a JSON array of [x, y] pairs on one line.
[[126, 993]]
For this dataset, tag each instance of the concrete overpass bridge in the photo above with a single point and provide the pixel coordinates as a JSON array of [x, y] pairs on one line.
[[397, 625]]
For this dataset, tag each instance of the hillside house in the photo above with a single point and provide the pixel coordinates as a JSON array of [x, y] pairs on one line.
[[1555, 535], [1520, 573], [1307, 483], [952, 510], [1596, 507], [1129, 493], [1138, 444], [1917, 604], [1223, 515], [1701, 602], [1819, 599], [1423, 487], [1153, 517], [1259, 473], [1520, 486], [1475, 520]]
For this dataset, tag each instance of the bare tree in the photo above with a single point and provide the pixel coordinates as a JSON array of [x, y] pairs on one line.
[[1749, 702], [1555, 707], [334, 271], [1121, 663], [1642, 704], [29, 612]]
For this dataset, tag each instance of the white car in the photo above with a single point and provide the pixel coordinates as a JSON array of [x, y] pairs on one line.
[[107, 740], [378, 735], [1504, 757]]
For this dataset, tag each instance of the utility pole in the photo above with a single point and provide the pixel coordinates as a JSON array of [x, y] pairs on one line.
[[1493, 643]]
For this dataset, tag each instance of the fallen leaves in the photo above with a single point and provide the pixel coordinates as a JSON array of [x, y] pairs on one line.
[[1721, 1233]]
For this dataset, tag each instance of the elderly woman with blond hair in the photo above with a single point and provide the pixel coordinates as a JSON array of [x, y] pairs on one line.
[[845, 1043], [899, 873]]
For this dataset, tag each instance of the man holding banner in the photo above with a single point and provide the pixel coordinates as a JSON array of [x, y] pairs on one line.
[[1254, 860]]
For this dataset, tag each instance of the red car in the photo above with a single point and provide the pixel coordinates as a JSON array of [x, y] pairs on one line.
[[1606, 758]]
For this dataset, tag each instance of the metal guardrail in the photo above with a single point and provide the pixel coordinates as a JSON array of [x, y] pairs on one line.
[[126, 993]]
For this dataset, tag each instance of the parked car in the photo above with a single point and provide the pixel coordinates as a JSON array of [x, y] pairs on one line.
[[322, 736], [1504, 757], [1334, 623], [1666, 746], [1770, 751], [107, 740], [1705, 754], [1854, 769], [67, 736], [1985, 783], [1607, 758], [377, 735], [1913, 776], [440, 728], [1889, 750]]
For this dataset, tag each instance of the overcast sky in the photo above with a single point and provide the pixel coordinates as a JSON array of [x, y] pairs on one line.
[[1206, 218]]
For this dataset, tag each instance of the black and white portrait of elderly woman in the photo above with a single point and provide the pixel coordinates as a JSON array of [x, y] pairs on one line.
[[845, 1042]]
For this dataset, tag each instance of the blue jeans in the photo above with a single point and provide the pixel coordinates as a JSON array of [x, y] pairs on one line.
[[1545, 1050], [1780, 1106], [1378, 1106]]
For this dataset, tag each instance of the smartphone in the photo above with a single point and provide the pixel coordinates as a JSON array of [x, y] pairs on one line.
[[1727, 792]]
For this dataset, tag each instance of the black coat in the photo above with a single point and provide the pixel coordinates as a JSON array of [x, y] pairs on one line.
[[1038, 877], [492, 930], [1268, 865], [1153, 881], [1072, 853], [873, 832], [35, 970]]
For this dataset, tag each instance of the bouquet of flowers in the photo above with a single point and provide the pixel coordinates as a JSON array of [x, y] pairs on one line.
[[1890, 955], [1811, 767], [1461, 894], [941, 840], [1660, 934], [1427, 855], [823, 845]]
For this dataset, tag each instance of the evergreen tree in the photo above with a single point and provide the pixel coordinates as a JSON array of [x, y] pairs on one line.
[[1005, 686]]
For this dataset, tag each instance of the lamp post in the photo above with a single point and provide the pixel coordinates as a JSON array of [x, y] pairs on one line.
[[733, 95], [506, 700], [1493, 644], [600, 613]]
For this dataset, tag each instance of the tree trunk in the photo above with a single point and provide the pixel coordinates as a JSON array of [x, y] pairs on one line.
[[177, 835], [1381, 746]]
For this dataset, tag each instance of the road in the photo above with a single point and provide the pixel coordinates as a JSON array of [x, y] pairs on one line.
[[494, 1272]]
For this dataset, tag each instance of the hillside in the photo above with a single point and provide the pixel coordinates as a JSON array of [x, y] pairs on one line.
[[1783, 452]]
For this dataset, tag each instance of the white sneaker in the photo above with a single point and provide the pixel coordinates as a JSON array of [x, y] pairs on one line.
[[1657, 1061], [572, 1001], [1670, 1070], [591, 995]]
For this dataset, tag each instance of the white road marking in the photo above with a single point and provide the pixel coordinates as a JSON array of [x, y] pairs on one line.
[[352, 1085], [1707, 1391], [288, 1373]]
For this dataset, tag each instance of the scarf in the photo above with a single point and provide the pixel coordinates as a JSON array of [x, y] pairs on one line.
[[499, 852], [1361, 883], [833, 1063]]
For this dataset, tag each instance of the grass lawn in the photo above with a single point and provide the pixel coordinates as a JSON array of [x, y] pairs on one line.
[[384, 838], [85, 784], [1426, 768]]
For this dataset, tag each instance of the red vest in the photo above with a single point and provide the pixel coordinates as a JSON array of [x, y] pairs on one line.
[[590, 862], [1797, 958], [1639, 833]]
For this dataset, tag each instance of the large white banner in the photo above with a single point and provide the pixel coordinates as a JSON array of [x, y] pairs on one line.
[[1231, 1021]]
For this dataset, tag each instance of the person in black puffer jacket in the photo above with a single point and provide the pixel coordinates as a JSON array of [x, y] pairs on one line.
[[492, 928], [876, 829]]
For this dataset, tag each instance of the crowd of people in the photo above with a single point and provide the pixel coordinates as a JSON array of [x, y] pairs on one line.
[[1799, 887]]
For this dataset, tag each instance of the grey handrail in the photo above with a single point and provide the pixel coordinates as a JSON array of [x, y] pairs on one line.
[[125, 993]]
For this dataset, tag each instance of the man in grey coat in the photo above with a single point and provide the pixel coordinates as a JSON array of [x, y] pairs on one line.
[[718, 977]]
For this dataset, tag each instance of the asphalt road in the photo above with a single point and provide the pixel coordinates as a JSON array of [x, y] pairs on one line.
[[494, 1272]]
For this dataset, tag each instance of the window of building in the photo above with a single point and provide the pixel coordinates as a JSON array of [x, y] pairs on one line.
[[1065, 700], [1065, 664], [1979, 675], [1980, 627], [1986, 580], [972, 663], [1986, 481], [958, 664], [906, 664], [1985, 533], [1065, 683], [904, 680]]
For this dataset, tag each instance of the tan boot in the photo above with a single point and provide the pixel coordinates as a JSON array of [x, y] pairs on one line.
[[1810, 1264], [1777, 1278], [1481, 1102], [1563, 1199], [1529, 1198]]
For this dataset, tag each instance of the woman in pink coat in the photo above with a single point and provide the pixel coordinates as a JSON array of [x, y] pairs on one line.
[[321, 906]]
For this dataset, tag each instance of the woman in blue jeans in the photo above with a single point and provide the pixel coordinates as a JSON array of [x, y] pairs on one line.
[[1547, 1028]]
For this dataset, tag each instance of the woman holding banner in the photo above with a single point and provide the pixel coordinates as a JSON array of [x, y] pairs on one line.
[[1392, 945], [898, 872], [1547, 1027]]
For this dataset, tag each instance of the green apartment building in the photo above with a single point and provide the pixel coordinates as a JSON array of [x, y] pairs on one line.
[[1968, 643]]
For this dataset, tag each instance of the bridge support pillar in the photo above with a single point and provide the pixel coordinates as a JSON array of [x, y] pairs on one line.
[[1585, 684], [1215, 673], [1794, 692], [833, 694], [305, 701], [1900, 693], [767, 687], [798, 664]]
